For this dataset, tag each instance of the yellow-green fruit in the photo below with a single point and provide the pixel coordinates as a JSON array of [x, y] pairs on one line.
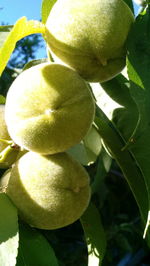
[[3, 128], [90, 36], [4, 180], [8, 155], [50, 191], [49, 108]]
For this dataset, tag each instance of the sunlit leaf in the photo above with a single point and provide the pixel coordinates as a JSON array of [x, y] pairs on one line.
[[34, 249], [46, 8], [9, 236], [94, 234]]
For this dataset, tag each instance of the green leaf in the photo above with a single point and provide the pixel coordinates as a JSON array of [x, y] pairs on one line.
[[138, 63], [87, 151], [46, 8], [118, 90], [125, 159], [2, 99], [102, 167], [119, 138], [9, 236], [94, 234], [21, 29], [34, 249]]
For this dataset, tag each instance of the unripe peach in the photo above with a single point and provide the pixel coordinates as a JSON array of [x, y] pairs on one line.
[[50, 191], [3, 128], [8, 154], [90, 36], [49, 108]]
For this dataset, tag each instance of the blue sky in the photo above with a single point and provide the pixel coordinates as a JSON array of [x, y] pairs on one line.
[[14, 9]]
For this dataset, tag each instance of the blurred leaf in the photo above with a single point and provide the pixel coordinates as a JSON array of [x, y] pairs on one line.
[[94, 234], [8, 232], [21, 29], [26, 50], [6, 28], [46, 8], [34, 249]]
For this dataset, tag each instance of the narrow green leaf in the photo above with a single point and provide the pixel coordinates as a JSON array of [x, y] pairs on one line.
[[21, 29], [118, 138], [94, 234], [9, 236], [34, 249], [46, 8], [125, 159]]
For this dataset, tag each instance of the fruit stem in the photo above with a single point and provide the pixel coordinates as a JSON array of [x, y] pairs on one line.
[[9, 149]]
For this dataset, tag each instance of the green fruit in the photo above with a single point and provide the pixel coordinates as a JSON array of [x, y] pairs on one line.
[[50, 191], [3, 128], [49, 108], [4, 180], [90, 36], [8, 152]]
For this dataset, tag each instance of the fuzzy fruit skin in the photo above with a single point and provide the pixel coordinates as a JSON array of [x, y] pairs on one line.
[[4, 180], [90, 36], [52, 195], [3, 128], [12, 156], [49, 108]]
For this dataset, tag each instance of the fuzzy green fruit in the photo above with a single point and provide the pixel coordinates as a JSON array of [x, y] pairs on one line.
[[8, 153], [49, 108], [52, 195], [4, 180], [90, 36], [3, 128]]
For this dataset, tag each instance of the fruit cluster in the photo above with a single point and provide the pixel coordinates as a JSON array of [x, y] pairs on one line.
[[50, 108]]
